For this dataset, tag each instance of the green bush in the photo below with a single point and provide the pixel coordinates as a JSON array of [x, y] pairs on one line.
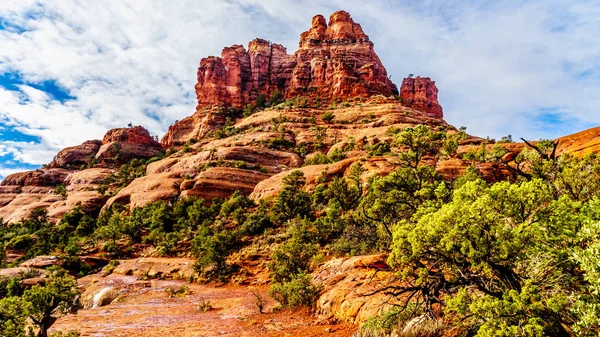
[[299, 291], [327, 117], [212, 247], [292, 201], [291, 258]]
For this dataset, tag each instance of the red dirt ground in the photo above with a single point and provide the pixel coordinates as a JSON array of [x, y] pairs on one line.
[[149, 312]]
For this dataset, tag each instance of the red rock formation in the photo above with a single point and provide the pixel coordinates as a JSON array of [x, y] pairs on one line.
[[77, 155], [48, 177], [195, 126], [421, 94], [334, 61], [122, 145]]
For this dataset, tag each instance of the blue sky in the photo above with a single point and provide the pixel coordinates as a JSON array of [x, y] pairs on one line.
[[70, 70]]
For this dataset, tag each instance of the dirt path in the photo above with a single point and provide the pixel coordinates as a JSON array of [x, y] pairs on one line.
[[148, 311]]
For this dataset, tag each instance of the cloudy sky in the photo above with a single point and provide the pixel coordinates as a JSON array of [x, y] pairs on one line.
[[70, 70]]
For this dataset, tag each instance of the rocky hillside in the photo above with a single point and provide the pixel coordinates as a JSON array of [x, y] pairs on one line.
[[331, 94], [310, 169]]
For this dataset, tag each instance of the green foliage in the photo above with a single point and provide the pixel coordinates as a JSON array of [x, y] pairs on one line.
[[378, 149], [419, 141], [68, 334], [13, 316], [212, 246], [292, 257], [485, 154], [506, 139], [319, 158], [180, 291], [248, 110], [276, 98], [391, 320], [319, 133], [2, 255], [402, 194], [42, 305], [327, 117], [261, 102], [299, 291], [513, 243], [61, 190], [292, 201]]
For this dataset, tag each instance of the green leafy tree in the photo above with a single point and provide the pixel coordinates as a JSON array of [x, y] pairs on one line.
[[13, 317], [292, 201], [500, 257], [400, 195], [418, 142], [59, 296], [348, 191]]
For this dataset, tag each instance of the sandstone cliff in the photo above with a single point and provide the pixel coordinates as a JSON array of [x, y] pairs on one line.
[[334, 61], [225, 152]]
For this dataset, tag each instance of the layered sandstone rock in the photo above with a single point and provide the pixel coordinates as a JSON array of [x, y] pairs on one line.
[[122, 145], [77, 156], [354, 289], [43, 177], [335, 61], [421, 94], [196, 126], [580, 143]]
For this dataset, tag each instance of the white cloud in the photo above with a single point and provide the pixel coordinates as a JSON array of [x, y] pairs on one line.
[[27, 152], [496, 63]]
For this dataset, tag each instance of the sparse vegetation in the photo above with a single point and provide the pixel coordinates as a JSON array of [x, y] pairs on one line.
[[180, 291], [512, 258]]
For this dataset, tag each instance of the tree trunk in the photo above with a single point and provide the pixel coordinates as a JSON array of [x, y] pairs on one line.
[[45, 325]]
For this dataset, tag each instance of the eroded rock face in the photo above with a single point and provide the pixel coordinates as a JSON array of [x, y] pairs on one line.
[[122, 145], [421, 94], [44, 177], [76, 156], [346, 282], [338, 61], [193, 127], [334, 61]]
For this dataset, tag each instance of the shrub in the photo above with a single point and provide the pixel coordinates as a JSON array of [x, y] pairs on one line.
[[299, 291], [261, 102], [212, 247], [327, 117], [292, 201], [204, 305], [61, 190], [276, 98], [378, 149], [181, 291], [291, 258]]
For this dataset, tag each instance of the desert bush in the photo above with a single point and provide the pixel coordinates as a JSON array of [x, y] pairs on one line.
[[298, 291]]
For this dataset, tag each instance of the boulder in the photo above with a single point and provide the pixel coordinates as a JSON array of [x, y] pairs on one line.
[[76, 156], [122, 145]]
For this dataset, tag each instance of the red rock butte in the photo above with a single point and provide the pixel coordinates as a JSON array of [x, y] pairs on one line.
[[335, 60]]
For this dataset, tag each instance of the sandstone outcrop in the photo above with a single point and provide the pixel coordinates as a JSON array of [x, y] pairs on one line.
[[122, 145], [580, 143], [354, 289], [421, 94], [43, 177], [161, 268], [334, 61], [76, 156]]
